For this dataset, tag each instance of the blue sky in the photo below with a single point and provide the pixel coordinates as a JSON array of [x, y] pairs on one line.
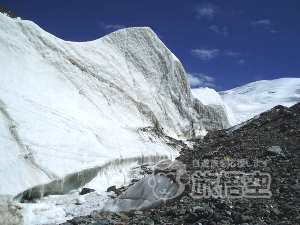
[[221, 43]]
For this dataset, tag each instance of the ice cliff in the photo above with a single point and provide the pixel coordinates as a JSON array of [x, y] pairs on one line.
[[68, 109], [212, 100]]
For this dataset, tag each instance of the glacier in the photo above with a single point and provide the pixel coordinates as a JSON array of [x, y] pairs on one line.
[[212, 100], [79, 114], [254, 98]]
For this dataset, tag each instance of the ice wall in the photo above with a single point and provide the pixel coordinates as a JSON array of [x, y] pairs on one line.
[[77, 180], [213, 102], [67, 107]]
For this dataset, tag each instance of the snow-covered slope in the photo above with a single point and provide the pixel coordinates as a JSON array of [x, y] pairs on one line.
[[254, 98], [70, 109]]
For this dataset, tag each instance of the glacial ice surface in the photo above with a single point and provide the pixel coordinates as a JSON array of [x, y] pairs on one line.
[[211, 99], [67, 108]]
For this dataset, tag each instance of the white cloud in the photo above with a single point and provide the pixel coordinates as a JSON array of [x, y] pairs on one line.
[[205, 54], [214, 28], [206, 11], [261, 23], [263, 26], [217, 30], [199, 79], [194, 81], [231, 54], [113, 27], [109, 27], [241, 62]]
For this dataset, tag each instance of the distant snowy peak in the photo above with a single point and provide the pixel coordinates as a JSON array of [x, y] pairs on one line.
[[254, 98]]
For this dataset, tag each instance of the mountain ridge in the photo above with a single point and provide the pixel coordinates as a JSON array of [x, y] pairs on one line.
[[251, 99]]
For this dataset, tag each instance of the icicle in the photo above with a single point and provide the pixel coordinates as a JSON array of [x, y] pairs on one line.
[[42, 191], [62, 184], [29, 193]]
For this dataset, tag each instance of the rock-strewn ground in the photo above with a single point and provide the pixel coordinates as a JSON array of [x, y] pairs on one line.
[[269, 144]]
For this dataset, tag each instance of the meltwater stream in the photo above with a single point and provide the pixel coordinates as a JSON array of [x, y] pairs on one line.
[[58, 201]]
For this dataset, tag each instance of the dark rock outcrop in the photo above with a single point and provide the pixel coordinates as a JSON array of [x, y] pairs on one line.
[[9, 13]]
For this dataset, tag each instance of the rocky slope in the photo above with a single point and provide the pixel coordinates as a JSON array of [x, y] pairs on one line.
[[268, 144]]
